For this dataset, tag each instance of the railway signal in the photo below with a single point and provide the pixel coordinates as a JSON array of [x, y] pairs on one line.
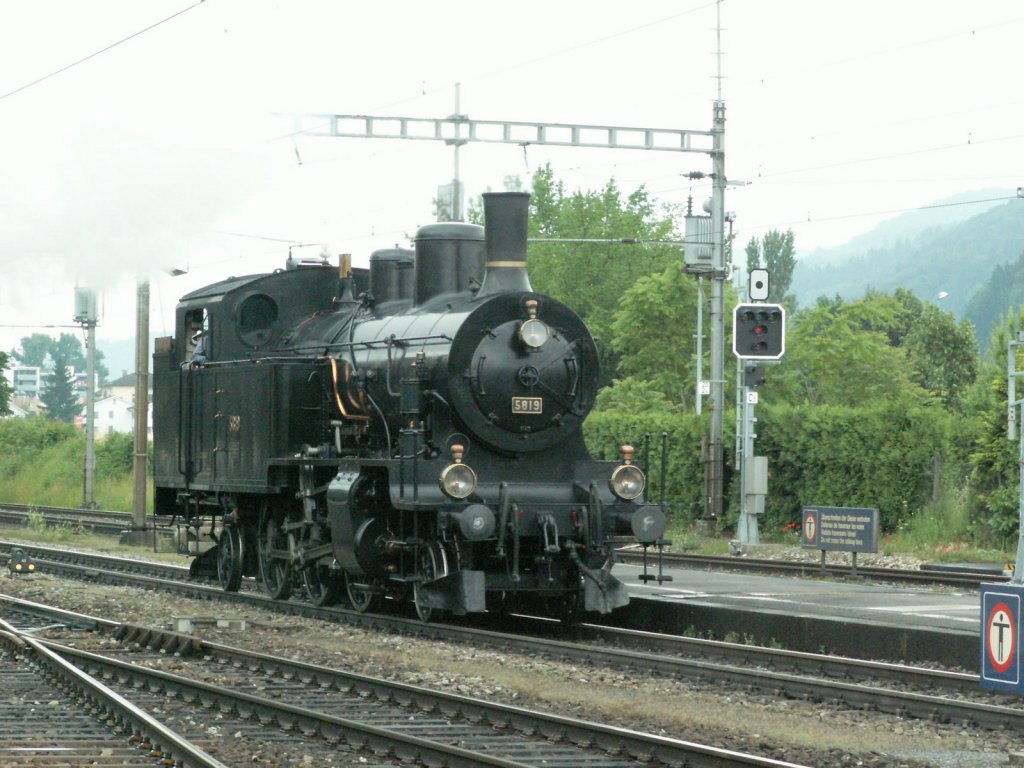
[[753, 376], [759, 331]]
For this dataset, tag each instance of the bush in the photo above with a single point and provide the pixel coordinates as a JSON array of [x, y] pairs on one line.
[[115, 454], [875, 456], [32, 435], [41, 462]]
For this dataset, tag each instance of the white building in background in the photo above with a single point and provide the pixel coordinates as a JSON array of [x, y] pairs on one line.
[[25, 380], [122, 390], [116, 414], [123, 387], [114, 408]]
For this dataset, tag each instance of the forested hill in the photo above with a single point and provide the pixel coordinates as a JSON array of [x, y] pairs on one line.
[[959, 260]]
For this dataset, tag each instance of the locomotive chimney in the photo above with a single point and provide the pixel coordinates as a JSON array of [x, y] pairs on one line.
[[505, 218]]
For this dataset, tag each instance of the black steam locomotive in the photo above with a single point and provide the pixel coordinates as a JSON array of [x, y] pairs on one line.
[[409, 431]]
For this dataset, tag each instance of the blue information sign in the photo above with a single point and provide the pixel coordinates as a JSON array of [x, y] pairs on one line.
[[1000, 637], [840, 529]]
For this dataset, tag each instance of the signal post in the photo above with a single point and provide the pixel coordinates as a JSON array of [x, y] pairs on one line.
[[759, 335]]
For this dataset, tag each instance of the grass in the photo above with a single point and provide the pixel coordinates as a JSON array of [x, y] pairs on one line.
[[41, 462], [941, 532], [688, 536], [28, 487], [76, 538]]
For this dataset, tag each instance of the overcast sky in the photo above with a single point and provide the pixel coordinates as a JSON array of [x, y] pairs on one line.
[[164, 151]]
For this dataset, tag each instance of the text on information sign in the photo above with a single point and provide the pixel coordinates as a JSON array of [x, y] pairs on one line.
[[840, 529]]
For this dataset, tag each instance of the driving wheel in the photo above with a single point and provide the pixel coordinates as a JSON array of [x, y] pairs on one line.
[[274, 553], [322, 584], [229, 558], [433, 565], [364, 597]]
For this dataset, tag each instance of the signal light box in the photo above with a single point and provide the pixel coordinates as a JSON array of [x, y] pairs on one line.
[[759, 331]]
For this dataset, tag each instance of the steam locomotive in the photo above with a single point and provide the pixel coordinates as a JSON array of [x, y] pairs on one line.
[[410, 432]]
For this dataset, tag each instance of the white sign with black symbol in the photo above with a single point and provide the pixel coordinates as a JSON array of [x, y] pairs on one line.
[[705, 387], [1001, 640], [751, 398], [758, 286]]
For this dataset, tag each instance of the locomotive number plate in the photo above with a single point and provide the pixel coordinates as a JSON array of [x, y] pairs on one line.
[[527, 404]]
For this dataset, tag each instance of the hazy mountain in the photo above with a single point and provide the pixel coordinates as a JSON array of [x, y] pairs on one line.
[[955, 258], [1003, 292], [942, 213]]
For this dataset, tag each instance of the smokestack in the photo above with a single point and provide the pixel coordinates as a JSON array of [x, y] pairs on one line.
[[505, 221]]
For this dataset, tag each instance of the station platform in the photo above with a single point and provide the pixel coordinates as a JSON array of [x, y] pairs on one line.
[[850, 617]]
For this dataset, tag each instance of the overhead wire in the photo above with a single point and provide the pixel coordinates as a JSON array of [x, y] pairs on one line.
[[818, 66], [526, 62], [973, 31], [839, 217], [893, 155], [93, 55], [625, 32], [595, 41]]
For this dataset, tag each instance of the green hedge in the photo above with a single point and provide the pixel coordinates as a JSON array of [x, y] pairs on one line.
[[606, 431], [878, 456]]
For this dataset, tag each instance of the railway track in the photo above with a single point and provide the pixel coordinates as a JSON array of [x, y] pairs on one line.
[[114, 523], [961, 578], [92, 520], [905, 691], [53, 714], [361, 713]]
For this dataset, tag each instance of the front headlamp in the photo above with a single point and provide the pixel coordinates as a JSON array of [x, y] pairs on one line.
[[534, 332], [457, 480], [627, 481]]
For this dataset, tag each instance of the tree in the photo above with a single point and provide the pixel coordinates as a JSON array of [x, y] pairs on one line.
[[775, 253], [1002, 291], [34, 350], [58, 395], [994, 485], [592, 277], [38, 351], [633, 395], [5, 387], [834, 355], [654, 308], [943, 354], [845, 352]]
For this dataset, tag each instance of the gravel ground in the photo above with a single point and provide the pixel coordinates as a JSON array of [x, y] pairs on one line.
[[807, 733], [800, 555]]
